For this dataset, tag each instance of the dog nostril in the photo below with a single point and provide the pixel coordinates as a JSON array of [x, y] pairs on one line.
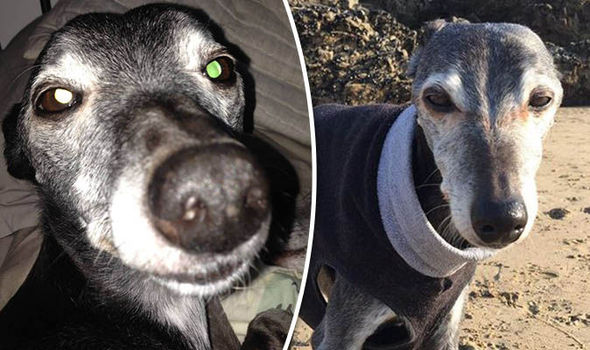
[[487, 229], [194, 210]]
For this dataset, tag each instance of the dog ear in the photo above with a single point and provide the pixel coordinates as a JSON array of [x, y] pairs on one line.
[[429, 29], [432, 27], [17, 162]]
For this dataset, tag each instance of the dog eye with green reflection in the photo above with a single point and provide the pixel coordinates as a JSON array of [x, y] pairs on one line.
[[56, 100], [220, 69]]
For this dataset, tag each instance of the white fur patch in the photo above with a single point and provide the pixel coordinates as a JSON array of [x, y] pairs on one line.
[[184, 288], [84, 185], [189, 316], [451, 82], [193, 49], [457, 310], [72, 69], [532, 79]]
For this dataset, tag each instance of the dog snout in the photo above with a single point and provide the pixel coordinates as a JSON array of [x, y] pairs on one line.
[[499, 222], [209, 198]]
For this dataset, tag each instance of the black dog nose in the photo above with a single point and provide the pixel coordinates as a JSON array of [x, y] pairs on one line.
[[209, 198], [498, 222]]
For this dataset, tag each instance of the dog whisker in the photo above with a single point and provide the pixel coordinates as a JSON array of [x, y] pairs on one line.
[[445, 231], [437, 207], [431, 175], [426, 185], [97, 256], [62, 254], [19, 75], [110, 260], [449, 217], [287, 194]]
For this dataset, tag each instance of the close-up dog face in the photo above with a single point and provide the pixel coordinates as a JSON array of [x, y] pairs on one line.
[[136, 143], [486, 96]]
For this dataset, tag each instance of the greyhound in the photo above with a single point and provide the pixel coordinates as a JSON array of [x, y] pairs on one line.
[[410, 198], [151, 207]]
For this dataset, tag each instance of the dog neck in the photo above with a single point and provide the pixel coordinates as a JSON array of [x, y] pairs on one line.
[[185, 314]]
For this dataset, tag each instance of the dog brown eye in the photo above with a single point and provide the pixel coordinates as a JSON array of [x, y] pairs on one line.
[[438, 100], [56, 100], [220, 69], [540, 100]]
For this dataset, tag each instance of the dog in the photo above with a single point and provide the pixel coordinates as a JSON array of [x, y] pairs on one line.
[[409, 198], [151, 203]]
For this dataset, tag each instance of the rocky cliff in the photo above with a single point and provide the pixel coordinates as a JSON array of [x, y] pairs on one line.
[[357, 52]]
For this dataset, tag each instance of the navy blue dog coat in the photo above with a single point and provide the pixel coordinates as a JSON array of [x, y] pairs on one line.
[[369, 226]]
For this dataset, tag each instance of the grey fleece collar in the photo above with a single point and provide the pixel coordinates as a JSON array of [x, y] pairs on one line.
[[406, 225]]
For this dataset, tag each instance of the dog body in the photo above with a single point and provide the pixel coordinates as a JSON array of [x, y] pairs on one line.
[[151, 207], [409, 199]]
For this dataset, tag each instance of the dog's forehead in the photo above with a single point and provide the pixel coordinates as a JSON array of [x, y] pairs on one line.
[[92, 48], [499, 51]]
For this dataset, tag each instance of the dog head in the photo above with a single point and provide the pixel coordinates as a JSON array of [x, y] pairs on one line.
[[127, 126], [486, 95]]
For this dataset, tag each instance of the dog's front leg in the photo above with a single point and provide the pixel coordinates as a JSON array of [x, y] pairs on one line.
[[446, 336], [351, 317]]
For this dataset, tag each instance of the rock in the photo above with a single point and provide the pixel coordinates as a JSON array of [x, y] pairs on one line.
[[575, 70], [485, 293], [557, 213], [510, 298], [533, 307], [375, 39], [354, 55], [352, 3], [551, 274]]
